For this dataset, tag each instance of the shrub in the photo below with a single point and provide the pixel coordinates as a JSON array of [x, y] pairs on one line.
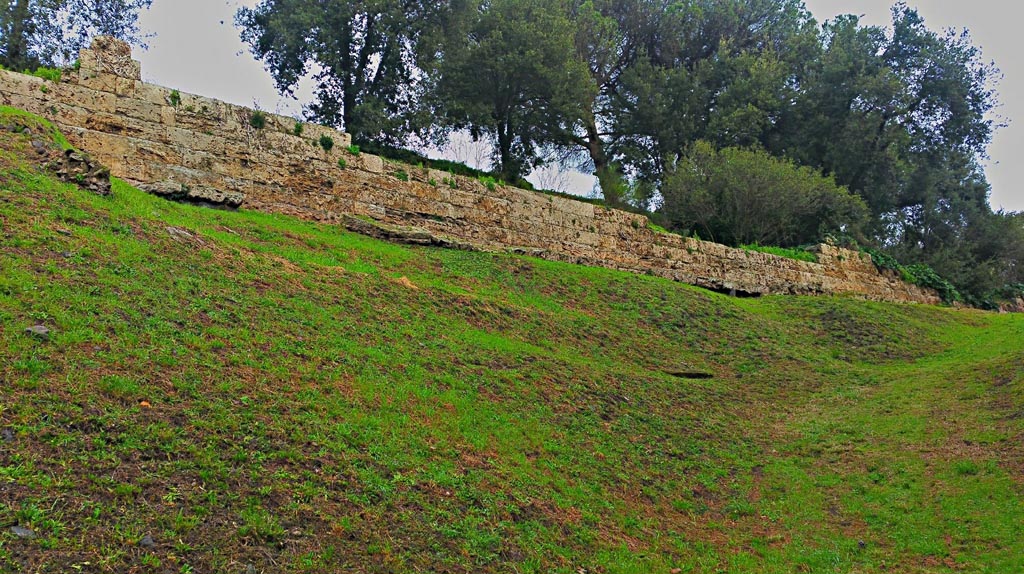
[[488, 181], [342, 163], [51, 74], [174, 98], [327, 142], [918, 274], [258, 120], [925, 276], [354, 149], [402, 175], [740, 196], [297, 130]]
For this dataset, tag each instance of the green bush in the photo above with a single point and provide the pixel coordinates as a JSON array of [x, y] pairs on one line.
[[342, 163], [297, 130], [402, 175], [174, 98], [488, 182], [741, 196], [354, 150], [327, 142], [258, 120], [925, 276], [918, 274], [51, 74]]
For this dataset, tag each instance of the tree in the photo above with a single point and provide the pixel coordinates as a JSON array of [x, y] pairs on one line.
[[19, 26], [361, 54], [902, 118], [716, 70], [610, 38], [51, 32], [511, 78], [739, 196]]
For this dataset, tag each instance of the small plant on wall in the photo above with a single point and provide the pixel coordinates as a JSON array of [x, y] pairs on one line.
[[297, 130], [258, 120], [175, 98], [342, 163], [327, 142]]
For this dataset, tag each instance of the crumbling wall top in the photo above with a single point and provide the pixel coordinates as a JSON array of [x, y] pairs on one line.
[[108, 55]]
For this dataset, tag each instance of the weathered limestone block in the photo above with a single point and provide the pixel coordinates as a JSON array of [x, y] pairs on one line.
[[23, 85], [109, 55], [197, 194], [369, 162]]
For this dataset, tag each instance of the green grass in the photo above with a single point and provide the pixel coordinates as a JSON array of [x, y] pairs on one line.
[[310, 411], [10, 115]]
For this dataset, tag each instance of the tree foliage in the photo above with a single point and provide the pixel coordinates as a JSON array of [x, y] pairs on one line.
[[361, 54], [739, 196], [51, 32], [510, 78]]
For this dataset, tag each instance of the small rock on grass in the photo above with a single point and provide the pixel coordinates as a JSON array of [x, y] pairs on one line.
[[7, 435], [39, 331], [22, 532], [147, 542], [250, 569]]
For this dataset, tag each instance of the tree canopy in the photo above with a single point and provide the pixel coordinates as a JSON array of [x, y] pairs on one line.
[[51, 32], [362, 55]]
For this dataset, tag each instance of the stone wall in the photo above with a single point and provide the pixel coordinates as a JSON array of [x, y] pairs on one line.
[[204, 150]]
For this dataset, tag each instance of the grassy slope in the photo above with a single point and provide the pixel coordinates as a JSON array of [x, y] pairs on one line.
[[310, 412]]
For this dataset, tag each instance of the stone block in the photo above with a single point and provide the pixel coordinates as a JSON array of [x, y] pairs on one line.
[[370, 163]]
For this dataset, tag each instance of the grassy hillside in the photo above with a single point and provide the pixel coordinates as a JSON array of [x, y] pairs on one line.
[[242, 392]]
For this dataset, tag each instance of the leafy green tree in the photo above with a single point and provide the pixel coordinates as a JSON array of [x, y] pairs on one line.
[[361, 54], [510, 78], [902, 118], [18, 26], [51, 32], [610, 38], [879, 110], [739, 196], [721, 70]]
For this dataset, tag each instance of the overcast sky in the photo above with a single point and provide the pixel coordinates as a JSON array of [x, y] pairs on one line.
[[197, 49]]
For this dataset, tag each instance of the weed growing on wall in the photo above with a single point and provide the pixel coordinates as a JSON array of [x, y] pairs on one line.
[[297, 130], [174, 98], [342, 163], [327, 142], [51, 74], [402, 175], [258, 120], [354, 149], [918, 274], [488, 182]]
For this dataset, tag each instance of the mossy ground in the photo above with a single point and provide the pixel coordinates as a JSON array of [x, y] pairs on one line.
[[264, 391]]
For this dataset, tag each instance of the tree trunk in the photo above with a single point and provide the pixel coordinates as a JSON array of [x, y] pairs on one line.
[[608, 177]]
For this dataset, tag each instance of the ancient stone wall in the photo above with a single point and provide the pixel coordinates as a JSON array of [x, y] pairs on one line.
[[204, 150]]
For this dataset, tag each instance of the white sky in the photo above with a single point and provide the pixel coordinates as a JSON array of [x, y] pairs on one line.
[[197, 49]]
